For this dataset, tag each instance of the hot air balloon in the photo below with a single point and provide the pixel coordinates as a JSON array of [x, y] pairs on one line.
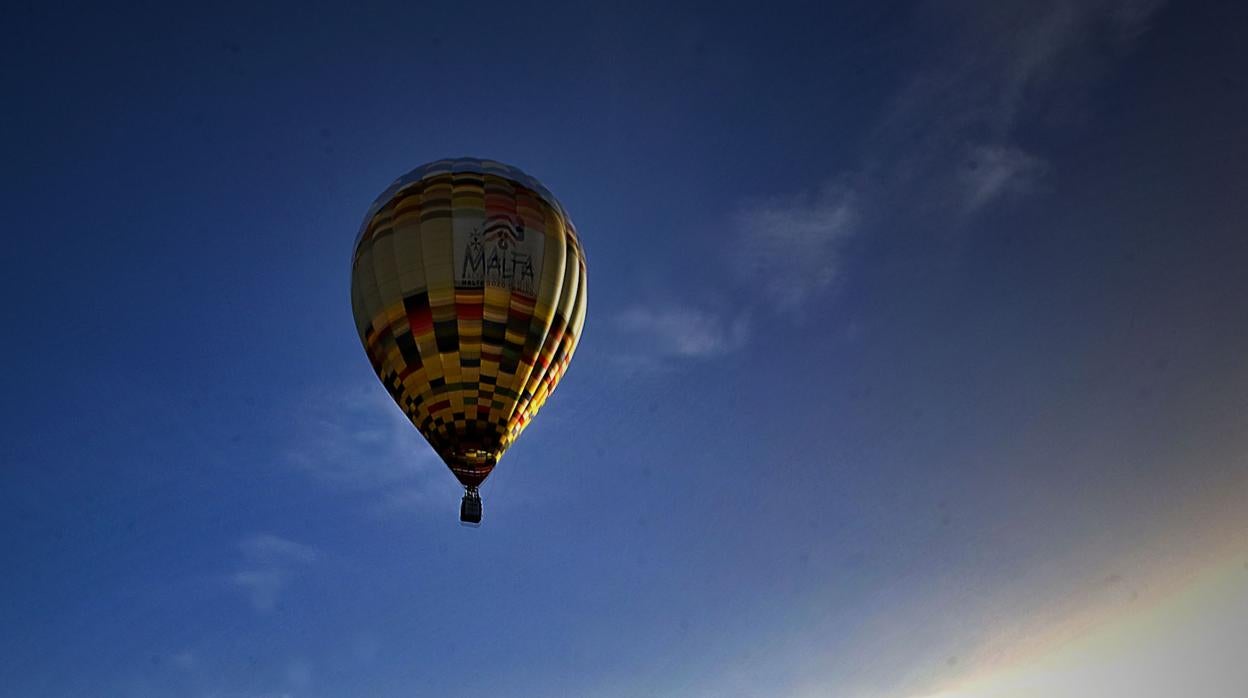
[[468, 290]]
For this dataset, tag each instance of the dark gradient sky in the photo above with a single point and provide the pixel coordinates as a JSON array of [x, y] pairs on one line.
[[915, 358]]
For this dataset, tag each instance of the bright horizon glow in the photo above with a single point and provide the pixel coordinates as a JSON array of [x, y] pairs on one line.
[[1182, 644]]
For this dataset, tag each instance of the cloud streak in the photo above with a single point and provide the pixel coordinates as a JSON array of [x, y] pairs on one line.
[[357, 440], [791, 246], [951, 139], [949, 146], [680, 331], [788, 248], [995, 171], [269, 564]]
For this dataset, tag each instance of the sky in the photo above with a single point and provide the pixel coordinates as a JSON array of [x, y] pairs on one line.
[[914, 364]]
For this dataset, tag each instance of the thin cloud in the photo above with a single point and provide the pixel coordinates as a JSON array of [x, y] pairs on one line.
[[261, 586], [299, 673], [414, 498], [994, 172], [791, 246], [271, 549], [269, 564], [680, 331], [185, 660], [951, 139], [946, 149], [357, 439], [788, 249]]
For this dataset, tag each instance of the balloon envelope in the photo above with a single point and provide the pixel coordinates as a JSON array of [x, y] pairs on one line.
[[468, 290]]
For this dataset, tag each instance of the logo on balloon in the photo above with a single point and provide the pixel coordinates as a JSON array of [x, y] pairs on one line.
[[498, 253]]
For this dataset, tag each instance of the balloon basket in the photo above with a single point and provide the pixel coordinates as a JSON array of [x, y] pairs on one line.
[[470, 509]]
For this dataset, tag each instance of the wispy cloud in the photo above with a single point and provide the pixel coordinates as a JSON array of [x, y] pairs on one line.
[[680, 331], [268, 548], [357, 439], [994, 172], [791, 245], [269, 563], [299, 673], [951, 137], [949, 144], [788, 248], [185, 659]]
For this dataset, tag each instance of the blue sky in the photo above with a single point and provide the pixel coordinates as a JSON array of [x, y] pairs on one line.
[[914, 363]]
